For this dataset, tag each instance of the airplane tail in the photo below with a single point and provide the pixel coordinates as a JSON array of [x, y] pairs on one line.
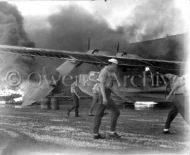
[[66, 67]]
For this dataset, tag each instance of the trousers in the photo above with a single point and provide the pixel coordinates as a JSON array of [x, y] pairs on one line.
[[180, 105], [95, 100], [100, 113], [75, 105]]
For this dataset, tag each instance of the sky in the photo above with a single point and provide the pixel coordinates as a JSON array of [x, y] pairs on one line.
[[69, 24], [110, 10], [143, 15]]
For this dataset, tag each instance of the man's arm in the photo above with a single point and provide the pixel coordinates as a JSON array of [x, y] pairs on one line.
[[102, 89], [175, 87], [102, 79], [75, 92], [117, 79], [52, 81], [169, 95], [44, 72]]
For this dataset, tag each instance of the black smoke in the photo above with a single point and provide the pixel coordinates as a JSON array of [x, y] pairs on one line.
[[153, 19], [12, 33], [73, 26], [11, 26]]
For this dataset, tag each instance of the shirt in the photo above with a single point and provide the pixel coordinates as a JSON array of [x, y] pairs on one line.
[[58, 86], [107, 76], [179, 85], [96, 88], [74, 87]]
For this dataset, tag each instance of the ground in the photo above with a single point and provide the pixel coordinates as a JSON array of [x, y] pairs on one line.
[[34, 131]]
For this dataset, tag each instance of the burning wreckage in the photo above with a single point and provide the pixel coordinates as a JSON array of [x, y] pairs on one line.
[[10, 96]]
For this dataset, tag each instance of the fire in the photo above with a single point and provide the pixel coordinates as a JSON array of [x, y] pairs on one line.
[[10, 96]]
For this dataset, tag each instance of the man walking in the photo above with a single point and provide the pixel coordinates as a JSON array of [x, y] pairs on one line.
[[105, 83], [95, 99], [75, 97], [178, 96]]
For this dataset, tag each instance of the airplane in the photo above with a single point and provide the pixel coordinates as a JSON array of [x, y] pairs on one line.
[[143, 79]]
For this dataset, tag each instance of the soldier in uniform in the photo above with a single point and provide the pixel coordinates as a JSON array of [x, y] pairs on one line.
[[178, 95], [104, 89]]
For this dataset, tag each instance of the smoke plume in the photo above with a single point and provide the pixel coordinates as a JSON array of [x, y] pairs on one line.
[[153, 19], [71, 28], [11, 26], [12, 33]]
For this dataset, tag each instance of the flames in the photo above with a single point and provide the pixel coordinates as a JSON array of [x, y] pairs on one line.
[[11, 96]]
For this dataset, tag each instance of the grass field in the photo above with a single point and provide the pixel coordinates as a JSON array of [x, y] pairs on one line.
[[32, 131]]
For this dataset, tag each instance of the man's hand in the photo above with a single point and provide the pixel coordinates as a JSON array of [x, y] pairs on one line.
[[167, 97], [119, 84], [105, 102], [77, 95]]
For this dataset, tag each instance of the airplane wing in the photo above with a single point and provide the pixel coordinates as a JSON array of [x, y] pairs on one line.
[[94, 58]]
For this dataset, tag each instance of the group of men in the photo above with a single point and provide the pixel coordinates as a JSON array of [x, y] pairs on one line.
[[103, 89]]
